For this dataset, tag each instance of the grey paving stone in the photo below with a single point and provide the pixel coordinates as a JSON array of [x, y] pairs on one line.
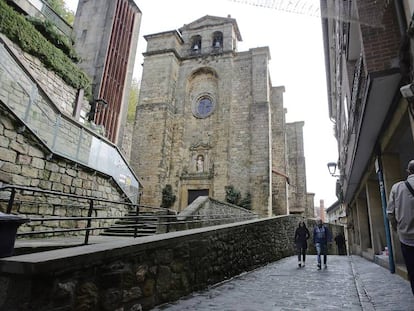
[[349, 283]]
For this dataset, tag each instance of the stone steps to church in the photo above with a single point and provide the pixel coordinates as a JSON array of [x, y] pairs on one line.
[[144, 226]]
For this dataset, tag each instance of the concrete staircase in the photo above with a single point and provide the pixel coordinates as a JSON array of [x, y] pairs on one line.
[[145, 225]]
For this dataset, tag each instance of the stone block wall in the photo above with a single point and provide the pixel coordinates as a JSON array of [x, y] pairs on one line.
[[297, 169], [61, 94], [24, 162], [144, 272], [25, 158], [280, 201]]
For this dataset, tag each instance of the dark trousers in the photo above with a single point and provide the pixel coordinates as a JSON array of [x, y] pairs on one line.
[[301, 253], [408, 254], [341, 250]]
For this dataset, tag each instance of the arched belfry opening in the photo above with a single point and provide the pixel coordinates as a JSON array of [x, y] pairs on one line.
[[217, 40], [196, 44]]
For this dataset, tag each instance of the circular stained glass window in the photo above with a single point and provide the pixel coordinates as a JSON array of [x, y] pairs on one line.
[[204, 107]]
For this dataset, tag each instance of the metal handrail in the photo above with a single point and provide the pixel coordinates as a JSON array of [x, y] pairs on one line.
[[90, 228], [92, 204], [88, 200], [13, 189]]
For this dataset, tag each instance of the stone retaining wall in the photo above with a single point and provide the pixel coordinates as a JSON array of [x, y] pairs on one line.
[[62, 95], [23, 162], [27, 156], [145, 272]]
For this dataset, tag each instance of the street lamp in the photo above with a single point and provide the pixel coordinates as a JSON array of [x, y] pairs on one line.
[[338, 191], [332, 169], [96, 106]]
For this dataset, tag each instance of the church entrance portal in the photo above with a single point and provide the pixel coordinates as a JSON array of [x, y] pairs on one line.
[[194, 194]]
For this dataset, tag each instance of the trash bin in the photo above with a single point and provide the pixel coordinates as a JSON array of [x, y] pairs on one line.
[[8, 228]]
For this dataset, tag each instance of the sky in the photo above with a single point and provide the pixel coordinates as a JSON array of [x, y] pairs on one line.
[[297, 63]]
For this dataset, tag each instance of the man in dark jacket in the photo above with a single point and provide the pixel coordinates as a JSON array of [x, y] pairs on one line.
[[321, 237], [400, 211]]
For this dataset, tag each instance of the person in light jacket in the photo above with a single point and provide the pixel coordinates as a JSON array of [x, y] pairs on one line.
[[400, 212]]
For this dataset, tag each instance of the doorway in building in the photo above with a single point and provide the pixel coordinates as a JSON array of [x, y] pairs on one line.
[[194, 194]]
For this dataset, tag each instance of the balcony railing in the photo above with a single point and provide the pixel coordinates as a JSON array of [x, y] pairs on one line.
[[357, 91]]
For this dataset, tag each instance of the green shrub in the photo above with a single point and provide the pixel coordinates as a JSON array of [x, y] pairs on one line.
[[30, 40], [51, 33], [168, 198], [232, 195]]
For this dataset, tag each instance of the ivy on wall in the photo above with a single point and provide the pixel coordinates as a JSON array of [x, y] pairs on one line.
[[23, 33]]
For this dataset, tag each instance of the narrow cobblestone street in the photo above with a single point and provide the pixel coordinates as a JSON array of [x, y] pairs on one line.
[[348, 283]]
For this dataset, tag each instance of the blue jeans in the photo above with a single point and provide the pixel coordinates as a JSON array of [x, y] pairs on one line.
[[321, 249]]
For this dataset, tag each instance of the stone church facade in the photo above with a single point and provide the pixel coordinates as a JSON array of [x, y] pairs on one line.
[[209, 118]]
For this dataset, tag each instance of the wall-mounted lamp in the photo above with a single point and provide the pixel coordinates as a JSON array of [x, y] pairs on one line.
[[96, 106], [332, 166], [332, 169], [407, 91], [343, 220]]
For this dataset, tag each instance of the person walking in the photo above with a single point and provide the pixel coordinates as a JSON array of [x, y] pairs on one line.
[[321, 237], [400, 212], [301, 241]]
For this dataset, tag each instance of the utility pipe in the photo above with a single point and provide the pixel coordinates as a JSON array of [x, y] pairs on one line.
[[281, 174]]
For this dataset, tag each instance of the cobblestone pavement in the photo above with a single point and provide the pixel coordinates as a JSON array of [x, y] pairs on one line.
[[348, 283]]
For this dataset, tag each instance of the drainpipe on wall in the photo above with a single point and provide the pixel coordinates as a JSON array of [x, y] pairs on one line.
[[378, 170], [399, 8]]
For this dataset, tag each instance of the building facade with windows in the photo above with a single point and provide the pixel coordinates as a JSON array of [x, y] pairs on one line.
[[335, 214], [209, 121], [368, 52]]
